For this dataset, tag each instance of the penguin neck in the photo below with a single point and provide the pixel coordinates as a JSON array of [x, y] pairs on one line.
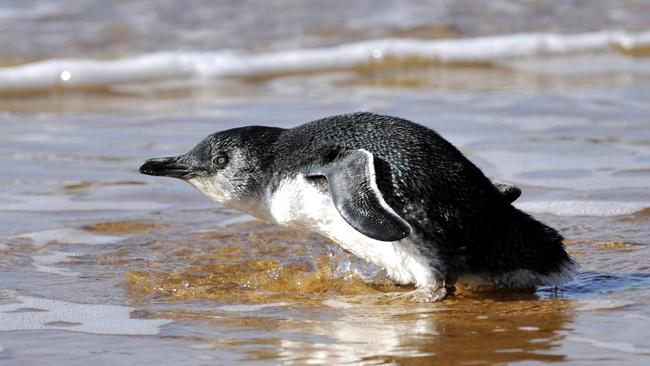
[[252, 203], [256, 206]]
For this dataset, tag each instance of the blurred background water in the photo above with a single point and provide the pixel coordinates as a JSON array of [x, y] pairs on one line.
[[100, 264]]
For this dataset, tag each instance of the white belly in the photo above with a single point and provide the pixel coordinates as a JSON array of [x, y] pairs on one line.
[[298, 203]]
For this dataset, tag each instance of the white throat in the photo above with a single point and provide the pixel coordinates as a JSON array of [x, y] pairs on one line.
[[213, 188]]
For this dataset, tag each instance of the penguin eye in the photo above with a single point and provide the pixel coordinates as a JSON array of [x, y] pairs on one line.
[[220, 161]]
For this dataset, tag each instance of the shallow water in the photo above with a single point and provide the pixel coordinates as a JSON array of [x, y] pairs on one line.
[[101, 264]]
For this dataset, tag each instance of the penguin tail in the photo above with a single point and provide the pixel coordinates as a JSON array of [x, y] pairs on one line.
[[532, 254]]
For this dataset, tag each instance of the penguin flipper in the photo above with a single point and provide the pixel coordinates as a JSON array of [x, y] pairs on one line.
[[354, 191], [509, 191]]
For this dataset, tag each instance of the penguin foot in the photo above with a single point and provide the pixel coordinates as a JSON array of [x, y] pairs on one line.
[[431, 293]]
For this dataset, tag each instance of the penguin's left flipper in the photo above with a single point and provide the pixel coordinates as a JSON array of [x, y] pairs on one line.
[[351, 180]]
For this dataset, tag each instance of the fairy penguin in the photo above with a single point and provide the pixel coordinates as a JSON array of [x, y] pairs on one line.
[[389, 190]]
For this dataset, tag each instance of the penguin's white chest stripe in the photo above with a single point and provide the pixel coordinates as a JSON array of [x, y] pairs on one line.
[[299, 203]]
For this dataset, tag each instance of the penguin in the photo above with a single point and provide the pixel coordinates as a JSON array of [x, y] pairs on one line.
[[386, 189]]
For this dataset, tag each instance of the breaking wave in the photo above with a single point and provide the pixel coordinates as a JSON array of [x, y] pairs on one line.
[[583, 208], [396, 52]]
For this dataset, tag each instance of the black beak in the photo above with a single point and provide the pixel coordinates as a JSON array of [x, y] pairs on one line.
[[174, 167]]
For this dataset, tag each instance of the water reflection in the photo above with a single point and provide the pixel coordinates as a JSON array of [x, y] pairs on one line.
[[318, 315], [475, 329]]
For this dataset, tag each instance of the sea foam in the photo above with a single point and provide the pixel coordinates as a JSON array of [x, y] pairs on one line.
[[44, 263], [32, 313], [582, 208], [201, 65], [56, 204], [612, 346], [67, 236]]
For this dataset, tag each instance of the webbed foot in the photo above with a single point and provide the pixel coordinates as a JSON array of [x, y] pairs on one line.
[[430, 293]]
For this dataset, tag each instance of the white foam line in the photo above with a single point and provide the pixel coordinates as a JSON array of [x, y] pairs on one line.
[[203, 346], [55, 204], [614, 346], [43, 263], [637, 316], [56, 270], [67, 236], [243, 308], [33, 313], [590, 305], [582, 208], [337, 304], [174, 65]]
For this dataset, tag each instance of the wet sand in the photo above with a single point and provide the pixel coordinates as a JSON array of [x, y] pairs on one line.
[[83, 229]]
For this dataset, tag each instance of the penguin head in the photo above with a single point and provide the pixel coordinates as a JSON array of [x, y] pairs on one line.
[[231, 166]]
